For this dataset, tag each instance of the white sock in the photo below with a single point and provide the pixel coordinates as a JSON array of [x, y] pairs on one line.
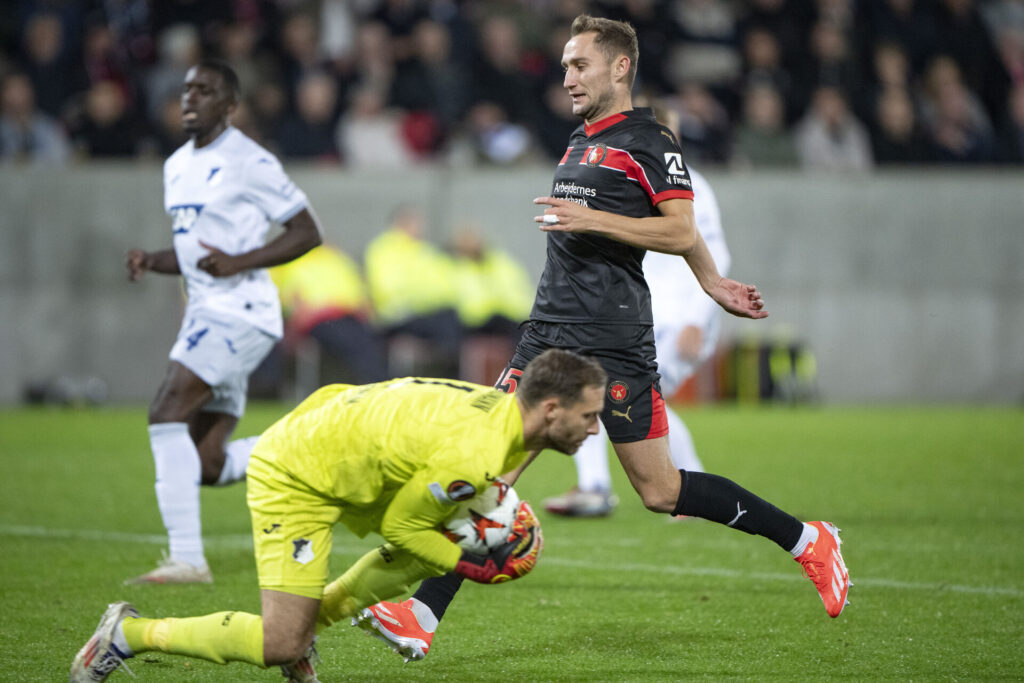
[[592, 463], [236, 458], [428, 622], [680, 444], [809, 535], [177, 490]]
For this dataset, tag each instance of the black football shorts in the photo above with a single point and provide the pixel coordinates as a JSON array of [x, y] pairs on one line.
[[634, 408]]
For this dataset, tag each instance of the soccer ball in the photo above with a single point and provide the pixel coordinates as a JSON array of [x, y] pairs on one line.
[[486, 521]]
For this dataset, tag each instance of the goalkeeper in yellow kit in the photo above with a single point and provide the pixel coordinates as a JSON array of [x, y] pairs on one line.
[[392, 458]]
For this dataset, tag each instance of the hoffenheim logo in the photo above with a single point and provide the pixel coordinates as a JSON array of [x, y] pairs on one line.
[[184, 216]]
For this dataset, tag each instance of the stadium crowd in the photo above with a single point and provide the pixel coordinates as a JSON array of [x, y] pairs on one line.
[[823, 84]]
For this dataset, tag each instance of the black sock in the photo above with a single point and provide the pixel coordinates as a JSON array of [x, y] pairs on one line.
[[710, 496], [438, 591]]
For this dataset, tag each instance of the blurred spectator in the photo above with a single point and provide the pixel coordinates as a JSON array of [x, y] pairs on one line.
[[494, 291], [323, 296], [337, 29], [370, 135], [1010, 45], [910, 23], [309, 132], [495, 295], [107, 127], [430, 81], [27, 134], [46, 60], [829, 137], [706, 51], [131, 25], [704, 131], [497, 76], [237, 47], [268, 106], [375, 58], [556, 122], [890, 70], [413, 290], [179, 51], [301, 53], [839, 13], [897, 137], [954, 118], [762, 56], [762, 139], [104, 60], [788, 20], [961, 33], [831, 61], [494, 139], [1011, 139]]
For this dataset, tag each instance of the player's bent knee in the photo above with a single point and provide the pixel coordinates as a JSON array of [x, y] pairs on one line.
[[165, 409], [659, 498]]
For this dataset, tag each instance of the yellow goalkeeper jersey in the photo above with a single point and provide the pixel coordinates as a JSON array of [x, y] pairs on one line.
[[397, 456]]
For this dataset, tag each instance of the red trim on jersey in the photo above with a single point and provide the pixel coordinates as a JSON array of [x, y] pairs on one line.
[[672, 194], [623, 161], [565, 157], [606, 122], [659, 420]]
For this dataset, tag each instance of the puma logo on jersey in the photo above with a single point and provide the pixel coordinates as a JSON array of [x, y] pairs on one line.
[[619, 413]]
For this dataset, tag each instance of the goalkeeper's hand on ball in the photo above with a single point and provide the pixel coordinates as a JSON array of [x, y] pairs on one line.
[[514, 558]]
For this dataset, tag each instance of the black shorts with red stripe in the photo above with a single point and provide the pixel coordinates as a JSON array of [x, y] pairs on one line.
[[634, 408]]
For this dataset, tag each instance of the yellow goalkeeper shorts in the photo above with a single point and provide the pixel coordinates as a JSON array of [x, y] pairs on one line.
[[291, 530]]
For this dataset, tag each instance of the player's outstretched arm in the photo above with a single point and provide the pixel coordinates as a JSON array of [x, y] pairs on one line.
[[138, 262], [301, 233]]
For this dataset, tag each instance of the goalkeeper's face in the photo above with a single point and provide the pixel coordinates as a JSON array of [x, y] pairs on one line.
[[571, 424]]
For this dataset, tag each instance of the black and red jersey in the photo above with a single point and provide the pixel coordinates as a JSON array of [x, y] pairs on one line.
[[625, 164]]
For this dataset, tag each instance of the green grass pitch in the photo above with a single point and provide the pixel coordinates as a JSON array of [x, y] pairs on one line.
[[929, 501]]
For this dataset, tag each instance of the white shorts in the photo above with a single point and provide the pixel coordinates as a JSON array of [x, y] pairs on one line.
[[674, 370], [222, 351]]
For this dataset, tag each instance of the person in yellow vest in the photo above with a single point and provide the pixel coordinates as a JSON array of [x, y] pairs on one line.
[[412, 287], [323, 296], [495, 293]]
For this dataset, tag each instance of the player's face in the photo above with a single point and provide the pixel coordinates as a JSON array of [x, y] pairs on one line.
[[576, 422], [588, 78], [205, 102]]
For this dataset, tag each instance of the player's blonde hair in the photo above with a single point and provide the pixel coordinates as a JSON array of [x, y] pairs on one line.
[[559, 374], [613, 38]]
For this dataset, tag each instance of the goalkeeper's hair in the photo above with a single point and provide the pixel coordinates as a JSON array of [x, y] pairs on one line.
[[559, 374]]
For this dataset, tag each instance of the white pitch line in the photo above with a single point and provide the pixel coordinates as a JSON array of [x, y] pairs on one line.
[[244, 541], [858, 582]]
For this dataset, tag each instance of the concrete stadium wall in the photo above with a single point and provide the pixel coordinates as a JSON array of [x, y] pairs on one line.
[[907, 286]]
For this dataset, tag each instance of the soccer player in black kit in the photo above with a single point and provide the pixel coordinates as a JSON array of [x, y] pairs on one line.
[[620, 189]]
